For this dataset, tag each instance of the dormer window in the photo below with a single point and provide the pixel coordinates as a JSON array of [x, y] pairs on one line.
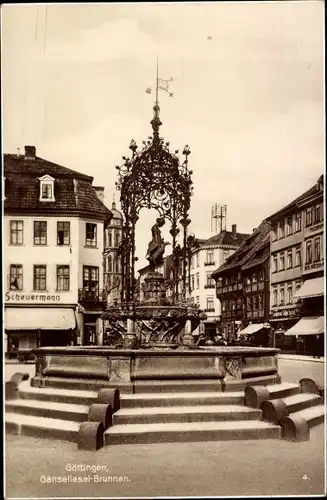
[[46, 188]]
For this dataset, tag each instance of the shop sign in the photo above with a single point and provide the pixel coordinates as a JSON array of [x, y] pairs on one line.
[[286, 313], [30, 297]]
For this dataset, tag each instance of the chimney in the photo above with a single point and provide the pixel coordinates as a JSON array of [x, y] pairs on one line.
[[234, 227], [99, 191], [30, 152]]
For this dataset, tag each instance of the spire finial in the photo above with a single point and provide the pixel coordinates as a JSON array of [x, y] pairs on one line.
[[113, 202]]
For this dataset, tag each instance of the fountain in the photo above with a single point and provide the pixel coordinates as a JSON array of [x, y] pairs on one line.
[[154, 348]]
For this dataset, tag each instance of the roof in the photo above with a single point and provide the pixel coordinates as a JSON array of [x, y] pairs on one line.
[[249, 252], [227, 238], [73, 191], [294, 203], [115, 213]]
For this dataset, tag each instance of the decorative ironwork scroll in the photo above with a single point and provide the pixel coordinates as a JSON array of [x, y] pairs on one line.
[[154, 177]]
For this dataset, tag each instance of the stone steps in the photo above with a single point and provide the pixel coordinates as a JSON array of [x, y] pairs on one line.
[[50, 394], [40, 427], [302, 401], [283, 390], [190, 432], [314, 415], [47, 409], [206, 413], [180, 399]]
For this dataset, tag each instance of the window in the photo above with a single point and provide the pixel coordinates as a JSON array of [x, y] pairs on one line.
[[298, 256], [225, 255], [254, 279], [298, 222], [308, 217], [282, 295], [210, 280], [282, 261], [275, 297], [317, 214], [261, 276], [274, 233], [63, 233], [192, 282], [90, 278], [281, 229], [109, 264], [261, 302], [210, 254], [275, 264], [197, 260], [297, 286], [255, 302], [289, 259], [109, 239], [46, 188], [46, 191], [317, 253], [289, 226], [197, 280], [192, 262], [62, 278], [91, 235], [210, 304], [16, 232], [40, 278], [248, 303], [289, 293], [117, 265], [308, 252], [16, 277], [40, 232], [117, 239]]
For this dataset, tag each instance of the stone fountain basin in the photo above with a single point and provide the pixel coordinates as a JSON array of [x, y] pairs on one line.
[[125, 368]]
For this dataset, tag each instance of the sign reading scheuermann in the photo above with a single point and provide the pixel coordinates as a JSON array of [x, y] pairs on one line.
[[26, 297]]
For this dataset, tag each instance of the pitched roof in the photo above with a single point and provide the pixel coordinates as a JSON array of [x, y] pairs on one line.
[[248, 250], [73, 191], [227, 238], [297, 200]]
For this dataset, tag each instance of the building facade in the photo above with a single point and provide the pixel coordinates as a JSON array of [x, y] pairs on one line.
[[242, 286], [206, 257], [53, 254], [297, 269]]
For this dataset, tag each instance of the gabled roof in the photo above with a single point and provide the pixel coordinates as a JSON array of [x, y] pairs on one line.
[[227, 238], [249, 249], [293, 204], [73, 191]]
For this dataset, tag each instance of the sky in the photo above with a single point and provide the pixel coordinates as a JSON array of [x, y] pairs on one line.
[[248, 85]]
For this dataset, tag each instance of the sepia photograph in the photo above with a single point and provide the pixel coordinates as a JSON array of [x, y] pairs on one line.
[[163, 236]]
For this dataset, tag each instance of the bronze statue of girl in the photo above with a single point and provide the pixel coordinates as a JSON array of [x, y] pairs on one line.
[[157, 245]]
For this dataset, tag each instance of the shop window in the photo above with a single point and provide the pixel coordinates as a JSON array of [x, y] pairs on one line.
[[63, 284], [40, 232], [16, 232], [40, 278], [90, 235], [63, 233], [16, 277]]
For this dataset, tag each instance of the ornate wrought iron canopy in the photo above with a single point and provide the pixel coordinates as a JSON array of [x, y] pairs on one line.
[[153, 177]]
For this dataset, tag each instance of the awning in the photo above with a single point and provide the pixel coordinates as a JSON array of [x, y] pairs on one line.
[[311, 288], [37, 318], [312, 325], [254, 327]]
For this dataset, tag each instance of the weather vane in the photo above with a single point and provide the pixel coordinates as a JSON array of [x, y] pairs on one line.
[[161, 84]]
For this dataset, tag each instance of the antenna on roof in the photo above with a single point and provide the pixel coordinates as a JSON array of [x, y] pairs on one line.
[[218, 218]]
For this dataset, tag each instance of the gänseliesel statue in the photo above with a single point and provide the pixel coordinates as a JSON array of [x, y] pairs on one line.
[[157, 245]]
